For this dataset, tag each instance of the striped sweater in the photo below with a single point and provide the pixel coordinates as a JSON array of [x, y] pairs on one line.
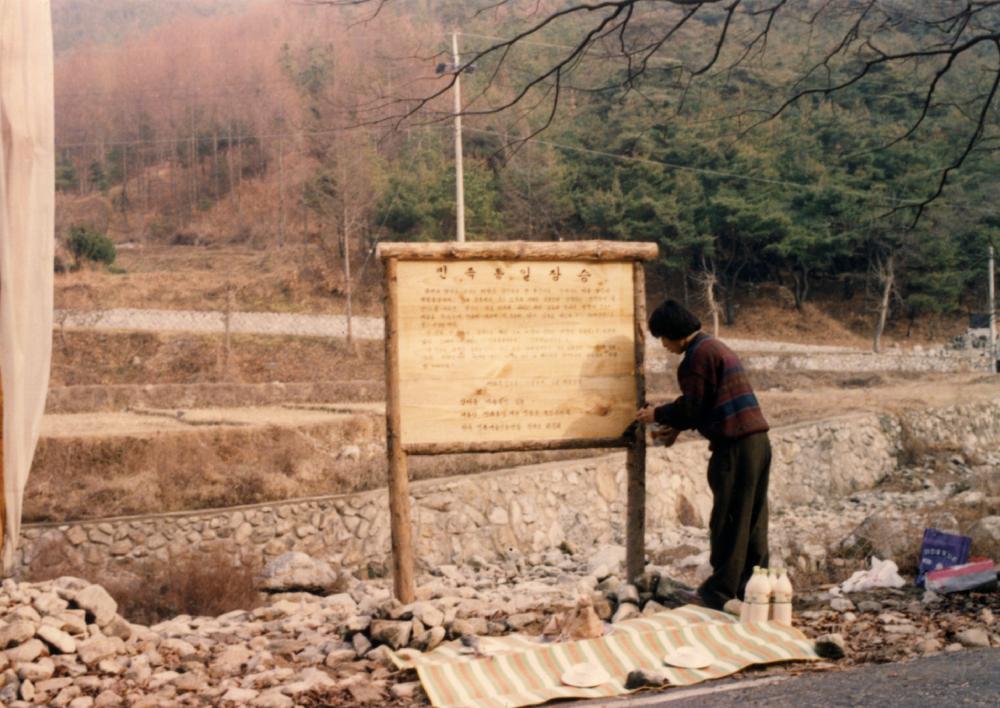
[[716, 396]]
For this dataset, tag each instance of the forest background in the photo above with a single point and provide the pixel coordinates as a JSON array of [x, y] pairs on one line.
[[291, 128]]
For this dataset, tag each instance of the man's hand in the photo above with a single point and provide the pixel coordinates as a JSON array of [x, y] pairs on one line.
[[664, 435], [646, 415]]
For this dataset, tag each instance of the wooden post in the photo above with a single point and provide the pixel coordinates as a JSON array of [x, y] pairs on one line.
[[399, 483], [635, 539]]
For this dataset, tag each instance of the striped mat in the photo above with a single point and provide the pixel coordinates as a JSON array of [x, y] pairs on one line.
[[522, 671]]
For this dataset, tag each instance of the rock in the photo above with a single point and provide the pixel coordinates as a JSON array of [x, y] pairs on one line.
[[309, 680], [73, 622], [272, 699], [392, 633], [29, 651], [382, 655], [361, 644], [295, 571], [610, 558], [628, 593], [48, 603], [641, 678], [57, 639], [831, 646], [190, 683], [66, 696], [583, 622], [36, 671], [178, 646], [624, 612], [240, 696], [929, 646], [28, 691], [430, 639], [94, 649], [972, 638], [16, 632], [869, 606], [986, 616], [98, 604], [429, 615], [53, 685], [339, 656], [405, 691], [118, 627], [107, 699], [139, 671], [985, 535], [232, 661], [841, 604], [885, 536], [522, 620], [899, 629], [162, 678]]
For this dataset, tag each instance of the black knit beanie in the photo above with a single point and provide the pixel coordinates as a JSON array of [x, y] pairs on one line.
[[673, 321]]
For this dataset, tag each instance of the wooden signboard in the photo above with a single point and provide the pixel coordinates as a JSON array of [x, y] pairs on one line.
[[512, 346]]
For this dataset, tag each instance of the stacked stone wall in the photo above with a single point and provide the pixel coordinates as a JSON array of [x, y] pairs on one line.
[[533, 508]]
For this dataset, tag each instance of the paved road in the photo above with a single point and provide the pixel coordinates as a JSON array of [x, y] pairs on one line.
[[967, 678]]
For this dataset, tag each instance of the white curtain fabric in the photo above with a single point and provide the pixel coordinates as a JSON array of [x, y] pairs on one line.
[[27, 204]]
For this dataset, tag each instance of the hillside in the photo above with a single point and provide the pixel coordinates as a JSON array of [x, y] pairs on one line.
[[77, 23], [188, 134]]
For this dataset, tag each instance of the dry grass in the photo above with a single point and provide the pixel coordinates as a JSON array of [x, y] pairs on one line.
[[292, 279], [207, 583], [208, 467]]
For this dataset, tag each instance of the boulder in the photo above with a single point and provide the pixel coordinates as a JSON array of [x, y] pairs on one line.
[[96, 648], [29, 651], [626, 611], [232, 661], [57, 639], [16, 632], [973, 638], [98, 604], [294, 571], [392, 633], [985, 535]]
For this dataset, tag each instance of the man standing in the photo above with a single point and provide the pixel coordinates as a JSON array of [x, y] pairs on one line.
[[717, 400]]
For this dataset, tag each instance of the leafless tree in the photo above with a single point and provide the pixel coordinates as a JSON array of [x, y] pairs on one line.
[[950, 49]]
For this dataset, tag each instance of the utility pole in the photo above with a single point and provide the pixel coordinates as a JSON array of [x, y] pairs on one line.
[[992, 306], [459, 175]]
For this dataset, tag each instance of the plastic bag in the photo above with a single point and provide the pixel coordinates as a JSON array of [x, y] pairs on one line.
[[941, 549], [882, 574]]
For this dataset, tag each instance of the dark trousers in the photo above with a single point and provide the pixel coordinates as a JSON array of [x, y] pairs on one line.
[[737, 474]]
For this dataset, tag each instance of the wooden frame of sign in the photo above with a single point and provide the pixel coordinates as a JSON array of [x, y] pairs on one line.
[[513, 345]]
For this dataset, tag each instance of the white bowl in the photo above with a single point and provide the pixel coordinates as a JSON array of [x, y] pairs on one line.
[[689, 658], [585, 675]]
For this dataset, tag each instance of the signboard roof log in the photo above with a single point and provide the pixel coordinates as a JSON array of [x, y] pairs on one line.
[[522, 250]]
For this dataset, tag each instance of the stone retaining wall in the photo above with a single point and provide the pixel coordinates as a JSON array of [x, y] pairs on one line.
[[581, 502]]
